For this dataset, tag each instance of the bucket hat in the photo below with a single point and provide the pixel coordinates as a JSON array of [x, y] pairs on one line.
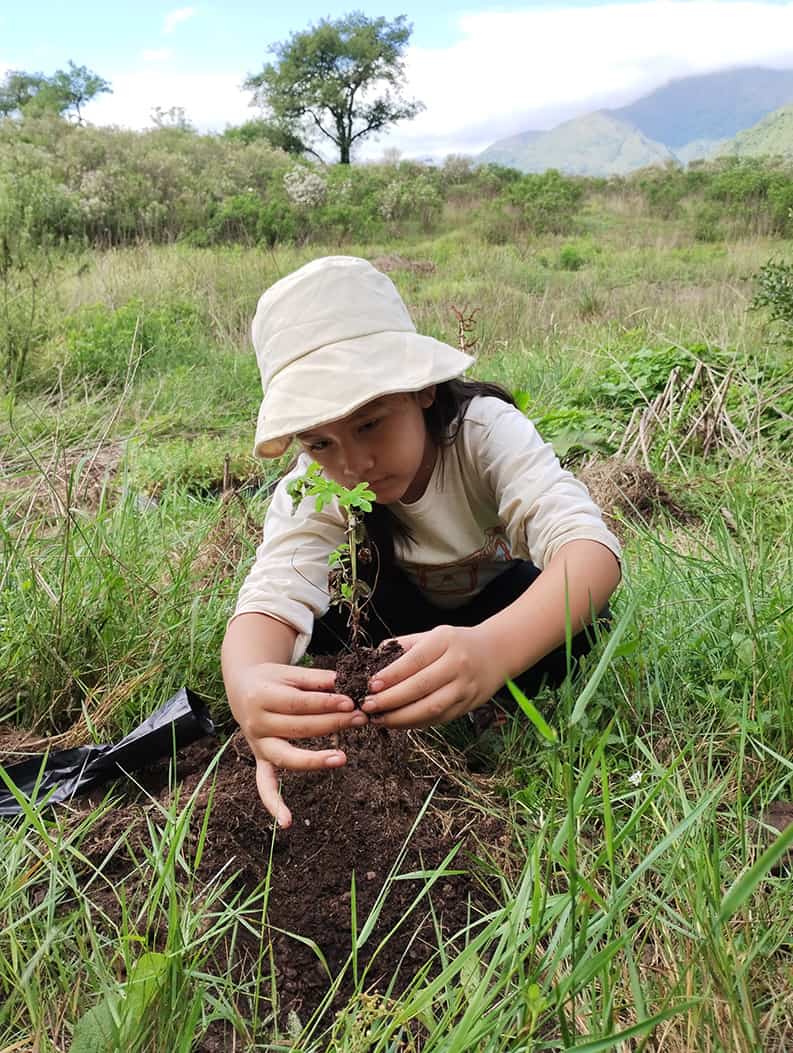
[[331, 337]]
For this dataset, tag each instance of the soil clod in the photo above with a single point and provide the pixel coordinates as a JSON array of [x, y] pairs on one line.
[[356, 668]]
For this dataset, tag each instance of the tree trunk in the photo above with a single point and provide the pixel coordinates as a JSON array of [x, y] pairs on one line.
[[344, 148]]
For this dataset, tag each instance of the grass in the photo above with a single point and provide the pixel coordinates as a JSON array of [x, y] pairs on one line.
[[639, 907]]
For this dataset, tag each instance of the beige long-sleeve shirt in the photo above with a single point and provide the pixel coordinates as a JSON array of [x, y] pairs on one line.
[[497, 494]]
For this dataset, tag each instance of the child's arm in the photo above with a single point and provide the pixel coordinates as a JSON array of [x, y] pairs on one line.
[[274, 701], [451, 670]]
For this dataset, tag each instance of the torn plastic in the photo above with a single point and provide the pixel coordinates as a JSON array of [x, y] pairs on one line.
[[58, 776]]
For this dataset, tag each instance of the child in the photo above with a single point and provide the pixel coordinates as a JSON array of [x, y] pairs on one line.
[[471, 506]]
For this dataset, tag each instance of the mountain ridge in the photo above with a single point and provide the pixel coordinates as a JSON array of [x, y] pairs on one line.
[[683, 120]]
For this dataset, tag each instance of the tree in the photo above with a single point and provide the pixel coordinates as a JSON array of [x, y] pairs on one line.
[[277, 134], [174, 117], [76, 86], [34, 94], [340, 80], [17, 90]]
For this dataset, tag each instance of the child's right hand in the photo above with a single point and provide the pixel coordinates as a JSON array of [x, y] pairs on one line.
[[272, 703]]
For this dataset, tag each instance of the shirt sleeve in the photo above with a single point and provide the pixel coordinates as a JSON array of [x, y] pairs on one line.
[[542, 506], [289, 576]]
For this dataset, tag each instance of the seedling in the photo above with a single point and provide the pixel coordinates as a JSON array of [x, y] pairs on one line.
[[345, 586]]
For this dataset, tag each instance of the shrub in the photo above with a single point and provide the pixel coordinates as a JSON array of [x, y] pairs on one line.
[[101, 343], [498, 224], [548, 203], [774, 289], [644, 374], [571, 259], [417, 198], [706, 223], [305, 187], [236, 219]]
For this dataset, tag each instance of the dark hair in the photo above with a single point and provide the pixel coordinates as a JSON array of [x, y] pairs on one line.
[[443, 419]]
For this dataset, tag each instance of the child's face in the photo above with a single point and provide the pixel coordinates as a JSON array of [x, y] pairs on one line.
[[385, 443]]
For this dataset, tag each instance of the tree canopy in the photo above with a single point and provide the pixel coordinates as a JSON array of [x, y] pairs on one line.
[[338, 81], [64, 93]]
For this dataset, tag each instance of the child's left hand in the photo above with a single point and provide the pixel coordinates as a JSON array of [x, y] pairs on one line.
[[444, 674]]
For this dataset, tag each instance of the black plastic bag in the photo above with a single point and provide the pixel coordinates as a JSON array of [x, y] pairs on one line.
[[59, 775]]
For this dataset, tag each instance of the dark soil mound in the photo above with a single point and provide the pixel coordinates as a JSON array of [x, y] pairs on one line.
[[356, 668], [352, 820]]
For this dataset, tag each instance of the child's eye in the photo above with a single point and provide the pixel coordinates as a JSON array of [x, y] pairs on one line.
[[317, 445], [370, 424]]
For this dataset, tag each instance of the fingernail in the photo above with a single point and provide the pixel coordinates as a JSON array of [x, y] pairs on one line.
[[335, 760], [359, 720], [346, 706], [375, 685], [368, 705]]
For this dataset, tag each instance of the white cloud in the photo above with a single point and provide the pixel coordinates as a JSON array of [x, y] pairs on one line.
[[173, 18], [156, 55], [210, 100], [515, 71], [512, 71]]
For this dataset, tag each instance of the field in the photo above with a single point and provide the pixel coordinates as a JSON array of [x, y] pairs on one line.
[[619, 887]]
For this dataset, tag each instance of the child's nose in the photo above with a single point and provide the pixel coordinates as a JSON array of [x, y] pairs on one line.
[[357, 462]]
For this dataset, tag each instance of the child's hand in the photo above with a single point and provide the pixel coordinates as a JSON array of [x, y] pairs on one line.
[[273, 703], [445, 673]]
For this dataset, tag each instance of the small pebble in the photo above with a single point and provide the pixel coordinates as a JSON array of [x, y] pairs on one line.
[[370, 875]]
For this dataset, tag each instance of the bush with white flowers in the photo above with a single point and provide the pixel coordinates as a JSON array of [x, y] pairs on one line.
[[305, 187]]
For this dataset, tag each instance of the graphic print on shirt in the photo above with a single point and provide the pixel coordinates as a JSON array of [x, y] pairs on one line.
[[461, 578]]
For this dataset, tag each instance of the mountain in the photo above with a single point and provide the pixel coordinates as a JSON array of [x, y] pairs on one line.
[[710, 106], [773, 136], [597, 144], [502, 152], [689, 118]]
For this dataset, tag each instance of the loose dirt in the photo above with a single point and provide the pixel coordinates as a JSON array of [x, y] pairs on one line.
[[350, 821], [624, 490], [394, 262], [356, 668]]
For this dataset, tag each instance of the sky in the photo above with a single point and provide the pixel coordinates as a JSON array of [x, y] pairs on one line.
[[483, 70]]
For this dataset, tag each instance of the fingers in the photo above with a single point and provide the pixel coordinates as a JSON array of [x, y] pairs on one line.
[[292, 700], [284, 755], [267, 724], [421, 649], [267, 785], [310, 679], [438, 708]]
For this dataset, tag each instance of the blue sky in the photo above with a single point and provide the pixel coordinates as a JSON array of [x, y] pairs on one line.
[[483, 70]]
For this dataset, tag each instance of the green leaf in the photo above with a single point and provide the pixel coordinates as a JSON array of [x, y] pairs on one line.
[[101, 1029], [532, 713]]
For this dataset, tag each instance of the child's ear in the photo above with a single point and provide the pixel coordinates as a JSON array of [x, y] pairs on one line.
[[426, 397]]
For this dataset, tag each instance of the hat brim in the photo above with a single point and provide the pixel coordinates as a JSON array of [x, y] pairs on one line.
[[305, 394]]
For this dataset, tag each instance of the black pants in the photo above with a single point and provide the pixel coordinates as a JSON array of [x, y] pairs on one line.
[[397, 608]]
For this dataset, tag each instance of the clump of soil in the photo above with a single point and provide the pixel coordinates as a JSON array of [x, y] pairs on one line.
[[778, 816], [352, 820], [17, 745], [395, 262], [75, 477], [630, 491], [356, 668]]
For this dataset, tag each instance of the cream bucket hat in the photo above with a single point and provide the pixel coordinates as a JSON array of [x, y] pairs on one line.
[[331, 337]]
